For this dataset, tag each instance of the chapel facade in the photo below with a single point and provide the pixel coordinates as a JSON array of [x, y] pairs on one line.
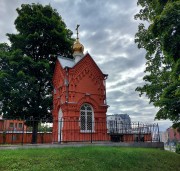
[[79, 98]]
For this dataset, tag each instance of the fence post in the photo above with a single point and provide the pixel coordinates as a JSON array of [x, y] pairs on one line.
[[116, 127], [4, 137], [12, 133], [139, 132], [91, 130], [151, 133], [60, 129], [22, 134], [158, 132]]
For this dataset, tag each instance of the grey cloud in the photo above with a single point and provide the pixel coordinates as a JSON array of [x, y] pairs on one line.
[[118, 65], [130, 81], [7, 16]]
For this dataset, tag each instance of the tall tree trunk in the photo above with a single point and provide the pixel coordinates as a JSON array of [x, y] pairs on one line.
[[34, 132]]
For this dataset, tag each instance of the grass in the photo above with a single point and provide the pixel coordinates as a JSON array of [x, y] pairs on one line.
[[89, 159]]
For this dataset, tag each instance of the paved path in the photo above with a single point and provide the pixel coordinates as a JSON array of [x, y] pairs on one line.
[[170, 148]]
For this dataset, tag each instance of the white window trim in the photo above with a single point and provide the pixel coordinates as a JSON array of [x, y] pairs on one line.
[[93, 124]]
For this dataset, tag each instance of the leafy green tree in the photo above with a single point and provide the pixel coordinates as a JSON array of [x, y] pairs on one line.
[[27, 65], [161, 40]]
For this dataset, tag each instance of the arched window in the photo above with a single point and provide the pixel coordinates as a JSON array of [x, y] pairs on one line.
[[86, 118]]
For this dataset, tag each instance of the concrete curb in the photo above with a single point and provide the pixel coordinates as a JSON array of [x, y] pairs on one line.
[[159, 145]]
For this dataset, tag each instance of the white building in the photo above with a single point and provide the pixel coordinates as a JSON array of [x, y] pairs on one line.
[[118, 123]]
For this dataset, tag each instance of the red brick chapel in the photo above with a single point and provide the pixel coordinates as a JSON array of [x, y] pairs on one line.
[[79, 98]]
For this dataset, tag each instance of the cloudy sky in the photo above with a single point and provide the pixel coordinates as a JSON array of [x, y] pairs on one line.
[[107, 29]]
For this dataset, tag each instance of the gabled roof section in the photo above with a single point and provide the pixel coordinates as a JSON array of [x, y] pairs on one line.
[[87, 55], [66, 62], [70, 63], [87, 65]]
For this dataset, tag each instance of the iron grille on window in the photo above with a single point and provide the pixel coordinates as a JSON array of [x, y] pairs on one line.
[[86, 118]]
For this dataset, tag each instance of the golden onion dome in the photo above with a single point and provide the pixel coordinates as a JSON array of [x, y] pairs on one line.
[[78, 47]]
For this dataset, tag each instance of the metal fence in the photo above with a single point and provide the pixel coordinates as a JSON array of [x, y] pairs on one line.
[[13, 131], [17, 131], [75, 131]]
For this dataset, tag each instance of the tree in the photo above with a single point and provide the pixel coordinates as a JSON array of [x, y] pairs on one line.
[[27, 65], [161, 40]]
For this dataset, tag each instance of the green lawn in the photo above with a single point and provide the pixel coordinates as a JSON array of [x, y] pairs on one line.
[[89, 159]]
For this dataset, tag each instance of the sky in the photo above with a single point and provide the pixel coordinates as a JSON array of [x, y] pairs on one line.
[[107, 31]]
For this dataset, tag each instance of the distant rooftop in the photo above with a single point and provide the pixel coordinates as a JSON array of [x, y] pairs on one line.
[[123, 116], [66, 62]]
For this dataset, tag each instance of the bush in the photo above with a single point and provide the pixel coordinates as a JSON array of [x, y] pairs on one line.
[[178, 148]]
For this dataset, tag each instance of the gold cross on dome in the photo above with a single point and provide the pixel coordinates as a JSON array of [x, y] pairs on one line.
[[77, 30]]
